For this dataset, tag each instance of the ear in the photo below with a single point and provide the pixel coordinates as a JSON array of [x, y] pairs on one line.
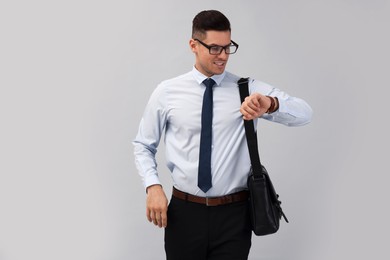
[[193, 46]]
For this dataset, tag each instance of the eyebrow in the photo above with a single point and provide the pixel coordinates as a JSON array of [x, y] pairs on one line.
[[214, 44]]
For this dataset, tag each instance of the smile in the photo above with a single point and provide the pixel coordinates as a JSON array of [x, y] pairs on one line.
[[219, 63]]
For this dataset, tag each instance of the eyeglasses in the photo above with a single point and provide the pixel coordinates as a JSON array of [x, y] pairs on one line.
[[217, 49]]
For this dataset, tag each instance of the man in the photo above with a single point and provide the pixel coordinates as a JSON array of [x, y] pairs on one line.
[[207, 217]]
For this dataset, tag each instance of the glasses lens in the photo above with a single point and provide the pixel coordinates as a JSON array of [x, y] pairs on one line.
[[215, 49], [231, 49]]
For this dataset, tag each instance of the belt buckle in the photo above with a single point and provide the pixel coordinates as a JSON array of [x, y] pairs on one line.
[[207, 201]]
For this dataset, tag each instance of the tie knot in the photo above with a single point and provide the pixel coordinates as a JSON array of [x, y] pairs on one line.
[[209, 82]]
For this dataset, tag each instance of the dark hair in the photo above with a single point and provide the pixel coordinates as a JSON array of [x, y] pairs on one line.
[[209, 20]]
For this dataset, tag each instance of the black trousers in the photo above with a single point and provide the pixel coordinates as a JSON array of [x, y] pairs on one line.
[[200, 232]]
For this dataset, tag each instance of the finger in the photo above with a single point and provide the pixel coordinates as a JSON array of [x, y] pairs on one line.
[[249, 117], [248, 114], [158, 219], [244, 112], [248, 111], [248, 103], [164, 219], [255, 103], [248, 106], [154, 218], [148, 215]]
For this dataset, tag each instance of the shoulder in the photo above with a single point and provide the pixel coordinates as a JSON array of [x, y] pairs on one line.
[[177, 80], [166, 86], [230, 77], [259, 86], [254, 84]]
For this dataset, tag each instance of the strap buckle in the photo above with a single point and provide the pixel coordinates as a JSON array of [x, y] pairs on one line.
[[207, 201], [243, 81]]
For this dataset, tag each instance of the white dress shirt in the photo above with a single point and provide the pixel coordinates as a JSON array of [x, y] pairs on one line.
[[175, 107]]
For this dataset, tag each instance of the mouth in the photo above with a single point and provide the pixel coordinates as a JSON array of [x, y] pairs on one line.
[[220, 63]]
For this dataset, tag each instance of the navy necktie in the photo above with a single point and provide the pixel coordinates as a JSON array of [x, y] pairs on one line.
[[204, 170]]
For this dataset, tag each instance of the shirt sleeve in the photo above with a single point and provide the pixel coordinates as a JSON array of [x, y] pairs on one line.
[[293, 111], [148, 137]]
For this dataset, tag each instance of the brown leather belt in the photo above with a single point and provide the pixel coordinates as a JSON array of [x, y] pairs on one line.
[[211, 201]]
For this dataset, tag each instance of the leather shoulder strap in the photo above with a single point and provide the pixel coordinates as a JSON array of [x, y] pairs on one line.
[[251, 135]]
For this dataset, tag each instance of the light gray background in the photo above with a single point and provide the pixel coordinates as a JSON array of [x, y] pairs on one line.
[[76, 75]]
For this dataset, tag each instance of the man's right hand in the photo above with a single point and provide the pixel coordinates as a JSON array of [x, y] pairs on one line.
[[156, 205], [255, 106]]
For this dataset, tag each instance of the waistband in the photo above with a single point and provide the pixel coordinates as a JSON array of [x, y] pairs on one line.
[[211, 201]]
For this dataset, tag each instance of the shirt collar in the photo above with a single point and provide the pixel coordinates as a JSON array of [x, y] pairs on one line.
[[199, 77]]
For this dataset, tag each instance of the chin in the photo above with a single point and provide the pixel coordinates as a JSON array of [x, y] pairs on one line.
[[219, 72]]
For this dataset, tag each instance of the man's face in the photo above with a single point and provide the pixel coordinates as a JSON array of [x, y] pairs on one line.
[[205, 62]]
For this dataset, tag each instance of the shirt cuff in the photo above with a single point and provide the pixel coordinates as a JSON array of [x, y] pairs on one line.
[[151, 180]]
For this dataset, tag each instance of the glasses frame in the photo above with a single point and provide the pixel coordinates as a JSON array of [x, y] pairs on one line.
[[222, 47]]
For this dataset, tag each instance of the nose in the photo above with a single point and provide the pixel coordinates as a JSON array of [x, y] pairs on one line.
[[223, 55]]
